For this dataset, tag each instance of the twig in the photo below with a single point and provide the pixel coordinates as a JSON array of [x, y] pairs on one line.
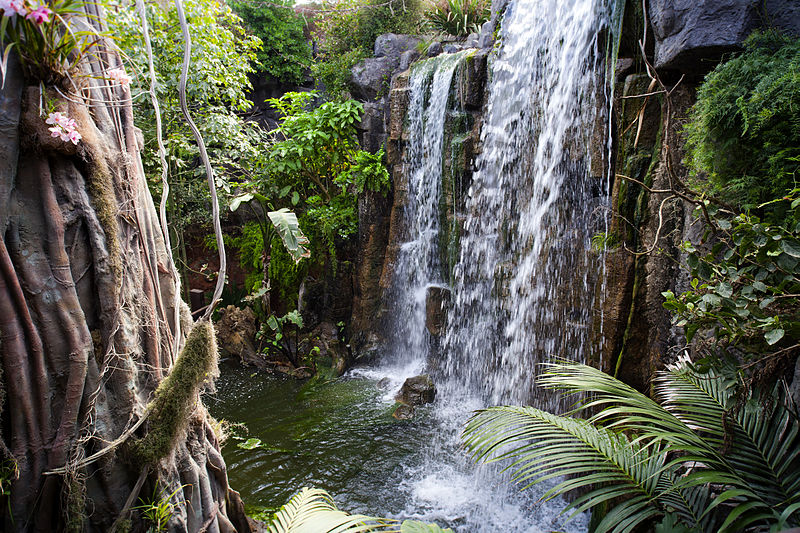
[[131, 499]]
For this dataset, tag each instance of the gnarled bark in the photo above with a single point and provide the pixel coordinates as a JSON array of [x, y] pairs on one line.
[[87, 322]]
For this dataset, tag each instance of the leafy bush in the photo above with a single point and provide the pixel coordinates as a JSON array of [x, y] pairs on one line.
[[347, 30], [285, 54], [743, 131], [222, 57], [458, 17], [707, 456], [746, 289]]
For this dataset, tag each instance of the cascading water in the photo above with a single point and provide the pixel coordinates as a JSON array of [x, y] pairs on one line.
[[524, 283], [523, 287], [418, 265]]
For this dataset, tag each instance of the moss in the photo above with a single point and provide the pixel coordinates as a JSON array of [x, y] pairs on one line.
[[101, 191], [176, 396], [75, 493]]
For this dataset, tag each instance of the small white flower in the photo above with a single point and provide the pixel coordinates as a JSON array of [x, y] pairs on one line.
[[118, 75]]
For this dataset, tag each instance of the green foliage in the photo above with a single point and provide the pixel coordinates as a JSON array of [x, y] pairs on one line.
[[318, 167], [283, 335], [707, 454], [747, 287], [158, 509], [50, 38], [221, 60], [605, 241], [285, 54], [743, 131], [347, 30], [314, 511], [458, 17], [177, 394]]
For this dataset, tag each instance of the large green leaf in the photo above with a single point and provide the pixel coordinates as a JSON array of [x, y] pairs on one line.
[[543, 446], [288, 228], [313, 511]]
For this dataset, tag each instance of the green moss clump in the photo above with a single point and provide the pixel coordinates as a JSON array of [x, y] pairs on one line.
[[744, 130], [101, 191], [176, 395]]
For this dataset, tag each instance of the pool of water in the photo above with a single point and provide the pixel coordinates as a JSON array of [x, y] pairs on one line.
[[341, 437]]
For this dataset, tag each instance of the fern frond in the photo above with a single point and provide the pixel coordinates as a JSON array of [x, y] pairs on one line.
[[313, 511], [543, 445]]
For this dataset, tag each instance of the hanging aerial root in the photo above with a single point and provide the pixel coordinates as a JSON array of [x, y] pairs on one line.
[[177, 395]]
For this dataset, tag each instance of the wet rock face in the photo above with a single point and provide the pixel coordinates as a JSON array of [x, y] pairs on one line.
[[689, 33], [437, 301], [371, 77], [417, 390]]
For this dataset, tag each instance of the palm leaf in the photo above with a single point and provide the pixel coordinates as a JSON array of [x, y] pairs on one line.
[[288, 228], [618, 405], [313, 511], [543, 446], [761, 446]]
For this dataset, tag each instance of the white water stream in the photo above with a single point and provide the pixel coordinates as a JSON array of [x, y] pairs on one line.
[[525, 283]]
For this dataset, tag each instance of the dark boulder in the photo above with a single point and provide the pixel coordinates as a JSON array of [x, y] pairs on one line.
[[691, 35], [394, 45], [417, 390], [371, 77]]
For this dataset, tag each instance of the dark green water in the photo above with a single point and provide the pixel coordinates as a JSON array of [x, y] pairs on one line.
[[341, 437]]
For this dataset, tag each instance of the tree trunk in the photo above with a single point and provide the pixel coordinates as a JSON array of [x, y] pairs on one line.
[[86, 324]]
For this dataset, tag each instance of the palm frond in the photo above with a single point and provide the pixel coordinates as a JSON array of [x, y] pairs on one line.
[[543, 446], [313, 511], [618, 405], [759, 444]]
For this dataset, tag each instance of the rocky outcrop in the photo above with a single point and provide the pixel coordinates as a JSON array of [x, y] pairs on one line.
[[416, 391], [437, 302], [395, 45], [691, 35], [236, 333]]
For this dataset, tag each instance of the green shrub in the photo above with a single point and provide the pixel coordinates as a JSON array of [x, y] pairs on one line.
[[458, 17], [347, 31], [744, 130], [285, 54]]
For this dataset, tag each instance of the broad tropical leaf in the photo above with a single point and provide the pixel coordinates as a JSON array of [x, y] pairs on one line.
[[288, 228], [544, 446], [313, 511]]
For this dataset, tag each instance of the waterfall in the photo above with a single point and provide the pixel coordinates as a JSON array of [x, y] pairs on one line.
[[524, 283], [418, 265]]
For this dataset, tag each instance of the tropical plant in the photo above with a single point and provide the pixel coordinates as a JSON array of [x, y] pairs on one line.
[[314, 511], [285, 54], [743, 133], [746, 286], [458, 17], [158, 509], [708, 455], [50, 38]]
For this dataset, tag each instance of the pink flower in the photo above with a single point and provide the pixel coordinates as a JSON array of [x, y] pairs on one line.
[[63, 127], [40, 15], [119, 76], [13, 7], [55, 118]]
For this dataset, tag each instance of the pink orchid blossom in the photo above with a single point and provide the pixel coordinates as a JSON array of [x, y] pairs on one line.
[[119, 76], [63, 127], [40, 15], [13, 7], [74, 136]]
